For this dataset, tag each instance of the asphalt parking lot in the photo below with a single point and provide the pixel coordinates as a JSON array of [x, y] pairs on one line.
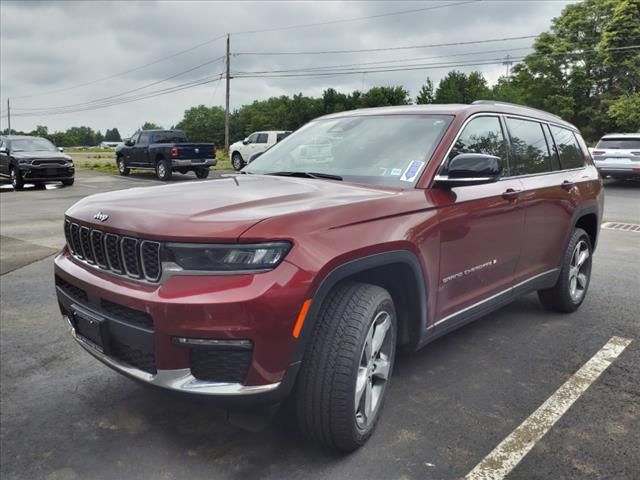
[[66, 416]]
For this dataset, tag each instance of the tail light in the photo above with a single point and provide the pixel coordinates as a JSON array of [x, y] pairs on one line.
[[214, 151], [174, 152], [598, 152]]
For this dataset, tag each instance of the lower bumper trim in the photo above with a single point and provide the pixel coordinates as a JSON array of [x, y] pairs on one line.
[[178, 380]]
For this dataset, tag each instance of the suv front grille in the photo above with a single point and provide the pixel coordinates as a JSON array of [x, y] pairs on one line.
[[118, 254]]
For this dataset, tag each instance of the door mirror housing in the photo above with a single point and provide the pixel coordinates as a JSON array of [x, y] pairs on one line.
[[3, 150], [128, 143], [470, 169], [245, 141], [60, 149]]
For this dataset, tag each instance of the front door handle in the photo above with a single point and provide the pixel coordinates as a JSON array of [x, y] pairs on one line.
[[511, 194], [567, 185]]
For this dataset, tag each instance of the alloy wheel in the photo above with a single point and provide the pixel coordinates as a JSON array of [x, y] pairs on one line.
[[374, 370], [579, 270]]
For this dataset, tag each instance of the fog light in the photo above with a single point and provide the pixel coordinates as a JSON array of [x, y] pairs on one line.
[[208, 342]]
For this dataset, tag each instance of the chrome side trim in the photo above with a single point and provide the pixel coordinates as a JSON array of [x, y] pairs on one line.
[[179, 379], [496, 295]]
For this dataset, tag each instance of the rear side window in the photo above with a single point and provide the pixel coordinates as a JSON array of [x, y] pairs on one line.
[[530, 149], [567, 148], [482, 135], [280, 136], [262, 138]]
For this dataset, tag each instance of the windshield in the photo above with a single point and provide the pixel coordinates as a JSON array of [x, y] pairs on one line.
[[619, 143], [390, 150], [32, 145]]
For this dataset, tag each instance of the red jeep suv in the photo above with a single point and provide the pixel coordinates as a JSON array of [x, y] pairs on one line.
[[361, 233]]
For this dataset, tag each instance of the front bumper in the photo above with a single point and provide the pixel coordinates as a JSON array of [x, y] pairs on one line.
[[252, 307], [44, 173], [195, 162]]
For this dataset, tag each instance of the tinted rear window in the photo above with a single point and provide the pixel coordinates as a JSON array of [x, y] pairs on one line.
[[619, 143], [567, 148], [169, 137]]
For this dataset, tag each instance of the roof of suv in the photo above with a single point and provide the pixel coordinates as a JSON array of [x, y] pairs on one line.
[[457, 109], [621, 135]]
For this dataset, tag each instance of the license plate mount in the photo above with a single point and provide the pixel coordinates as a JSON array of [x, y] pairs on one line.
[[92, 328]]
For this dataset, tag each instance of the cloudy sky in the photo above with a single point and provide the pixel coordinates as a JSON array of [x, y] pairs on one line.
[[82, 55]]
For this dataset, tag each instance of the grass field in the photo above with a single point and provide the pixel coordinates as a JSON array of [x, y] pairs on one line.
[[105, 160]]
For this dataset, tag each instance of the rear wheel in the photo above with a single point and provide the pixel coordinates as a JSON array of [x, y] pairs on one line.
[[16, 179], [347, 366], [163, 170], [202, 172], [237, 161], [67, 182], [122, 168], [571, 288]]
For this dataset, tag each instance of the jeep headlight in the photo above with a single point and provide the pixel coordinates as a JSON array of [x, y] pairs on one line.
[[227, 257]]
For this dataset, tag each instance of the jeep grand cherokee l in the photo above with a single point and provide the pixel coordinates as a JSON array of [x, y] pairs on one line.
[[364, 232]]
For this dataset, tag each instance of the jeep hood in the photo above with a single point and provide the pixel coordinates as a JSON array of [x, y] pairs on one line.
[[216, 210]]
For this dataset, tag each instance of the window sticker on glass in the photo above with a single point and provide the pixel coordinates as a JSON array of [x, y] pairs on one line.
[[396, 172], [412, 171]]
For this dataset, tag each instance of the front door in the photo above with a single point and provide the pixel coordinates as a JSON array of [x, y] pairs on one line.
[[481, 228], [140, 150]]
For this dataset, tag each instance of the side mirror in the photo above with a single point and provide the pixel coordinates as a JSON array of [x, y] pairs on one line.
[[128, 143], [3, 150], [60, 149], [245, 141], [470, 169]]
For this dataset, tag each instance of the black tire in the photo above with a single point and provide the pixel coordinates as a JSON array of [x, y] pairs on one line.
[[16, 178], [562, 297], [237, 161], [326, 400], [163, 170], [202, 172], [67, 182], [122, 169]]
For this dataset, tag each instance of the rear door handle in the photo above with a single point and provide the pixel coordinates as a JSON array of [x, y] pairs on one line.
[[511, 194], [567, 185]]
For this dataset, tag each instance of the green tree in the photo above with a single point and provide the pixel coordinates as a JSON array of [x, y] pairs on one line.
[[203, 124], [625, 112], [425, 95], [150, 126], [384, 96], [458, 87], [112, 135]]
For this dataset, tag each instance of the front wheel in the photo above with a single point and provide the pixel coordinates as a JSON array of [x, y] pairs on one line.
[[163, 170], [67, 182], [122, 168], [571, 288], [16, 179], [347, 366], [202, 172], [237, 161]]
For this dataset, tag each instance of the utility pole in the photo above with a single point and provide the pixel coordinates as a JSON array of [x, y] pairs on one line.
[[9, 117], [508, 63], [226, 113]]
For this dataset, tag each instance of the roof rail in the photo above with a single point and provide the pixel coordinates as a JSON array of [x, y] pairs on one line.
[[495, 102]]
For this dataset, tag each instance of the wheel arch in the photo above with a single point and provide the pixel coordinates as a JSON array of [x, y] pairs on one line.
[[399, 272], [588, 219]]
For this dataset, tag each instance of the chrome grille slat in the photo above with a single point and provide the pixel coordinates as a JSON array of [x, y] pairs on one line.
[[127, 256]]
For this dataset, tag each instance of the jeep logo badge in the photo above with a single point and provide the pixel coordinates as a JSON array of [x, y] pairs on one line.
[[101, 216], [197, 150]]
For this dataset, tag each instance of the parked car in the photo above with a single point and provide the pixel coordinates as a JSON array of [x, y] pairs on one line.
[[364, 232], [617, 155], [257, 142], [165, 151], [25, 159]]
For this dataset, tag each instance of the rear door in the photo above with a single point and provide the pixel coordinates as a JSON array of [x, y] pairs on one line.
[[4, 156], [481, 228], [548, 171]]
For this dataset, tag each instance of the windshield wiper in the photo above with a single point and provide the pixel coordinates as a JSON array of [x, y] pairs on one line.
[[328, 176]]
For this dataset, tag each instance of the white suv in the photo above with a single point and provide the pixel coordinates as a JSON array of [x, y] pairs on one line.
[[257, 142], [617, 155]]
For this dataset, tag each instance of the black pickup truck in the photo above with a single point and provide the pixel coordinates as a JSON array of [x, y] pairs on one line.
[[165, 151]]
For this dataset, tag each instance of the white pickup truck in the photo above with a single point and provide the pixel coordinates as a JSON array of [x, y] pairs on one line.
[[257, 142]]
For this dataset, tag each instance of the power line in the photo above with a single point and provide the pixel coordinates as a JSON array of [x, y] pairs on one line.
[[127, 91], [383, 49], [355, 19]]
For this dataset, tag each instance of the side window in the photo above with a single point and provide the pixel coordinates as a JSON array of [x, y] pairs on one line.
[[530, 149], [482, 135], [555, 161], [144, 139], [252, 138], [280, 136], [262, 138], [567, 148]]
